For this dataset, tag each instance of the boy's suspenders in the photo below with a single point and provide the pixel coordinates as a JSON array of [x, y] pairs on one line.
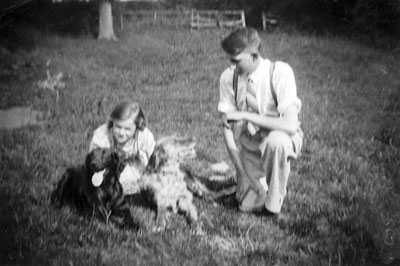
[[296, 147], [271, 85]]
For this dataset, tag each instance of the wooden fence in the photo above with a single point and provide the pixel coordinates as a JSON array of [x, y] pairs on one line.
[[269, 21], [163, 17], [194, 18], [213, 18]]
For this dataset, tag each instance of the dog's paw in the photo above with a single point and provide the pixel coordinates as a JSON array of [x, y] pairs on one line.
[[158, 229], [160, 224]]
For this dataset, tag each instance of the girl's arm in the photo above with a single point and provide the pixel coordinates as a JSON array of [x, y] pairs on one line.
[[147, 148], [100, 138]]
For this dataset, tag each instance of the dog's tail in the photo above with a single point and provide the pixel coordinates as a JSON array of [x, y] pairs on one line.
[[201, 190]]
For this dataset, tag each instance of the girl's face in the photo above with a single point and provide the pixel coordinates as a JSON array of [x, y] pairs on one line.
[[123, 130]]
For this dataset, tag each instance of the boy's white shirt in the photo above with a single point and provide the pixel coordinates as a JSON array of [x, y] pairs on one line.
[[283, 82]]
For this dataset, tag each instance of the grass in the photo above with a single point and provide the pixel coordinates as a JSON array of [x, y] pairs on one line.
[[343, 200]]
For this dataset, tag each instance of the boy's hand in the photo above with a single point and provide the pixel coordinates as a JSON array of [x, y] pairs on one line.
[[243, 186], [225, 122]]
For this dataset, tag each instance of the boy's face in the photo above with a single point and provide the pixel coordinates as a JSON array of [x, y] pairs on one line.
[[123, 130], [245, 62]]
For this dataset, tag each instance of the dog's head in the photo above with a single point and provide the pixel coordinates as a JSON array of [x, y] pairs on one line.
[[102, 165], [171, 150]]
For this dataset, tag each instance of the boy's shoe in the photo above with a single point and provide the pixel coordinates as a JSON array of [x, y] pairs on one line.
[[276, 217], [265, 212], [253, 201]]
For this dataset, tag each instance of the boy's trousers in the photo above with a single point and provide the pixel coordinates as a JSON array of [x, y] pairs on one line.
[[268, 154]]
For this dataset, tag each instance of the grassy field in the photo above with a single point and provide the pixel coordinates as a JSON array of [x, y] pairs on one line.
[[343, 205]]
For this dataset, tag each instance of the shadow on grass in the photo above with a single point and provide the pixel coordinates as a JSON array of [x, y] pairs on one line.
[[389, 136], [143, 199], [18, 203], [12, 248], [228, 202], [259, 257]]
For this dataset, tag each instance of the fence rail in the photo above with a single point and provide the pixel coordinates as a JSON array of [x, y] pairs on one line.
[[164, 17]]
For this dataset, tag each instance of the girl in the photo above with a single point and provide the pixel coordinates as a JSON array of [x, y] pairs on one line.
[[126, 133]]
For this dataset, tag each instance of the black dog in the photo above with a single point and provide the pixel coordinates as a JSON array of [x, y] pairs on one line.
[[107, 199]]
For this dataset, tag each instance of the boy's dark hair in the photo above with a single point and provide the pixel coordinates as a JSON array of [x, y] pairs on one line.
[[240, 39]]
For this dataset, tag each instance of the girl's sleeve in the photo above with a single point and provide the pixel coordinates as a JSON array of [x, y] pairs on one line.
[[147, 149], [99, 139]]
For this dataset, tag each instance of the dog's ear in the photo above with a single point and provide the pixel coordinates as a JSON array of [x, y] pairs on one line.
[[117, 162], [140, 120], [157, 159], [88, 165], [115, 158]]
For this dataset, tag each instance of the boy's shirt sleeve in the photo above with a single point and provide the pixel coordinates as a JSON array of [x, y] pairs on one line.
[[227, 101], [285, 84]]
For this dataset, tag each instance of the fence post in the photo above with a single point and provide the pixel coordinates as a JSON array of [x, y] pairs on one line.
[[269, 21], [243, 18], [264, 23]]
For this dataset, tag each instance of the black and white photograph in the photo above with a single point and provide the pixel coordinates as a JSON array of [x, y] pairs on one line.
[[200, 132]]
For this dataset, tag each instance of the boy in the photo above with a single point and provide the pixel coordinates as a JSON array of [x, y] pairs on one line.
[[258, 100]]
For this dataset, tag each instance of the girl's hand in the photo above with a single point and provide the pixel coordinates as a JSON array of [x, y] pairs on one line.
[[234, 116]]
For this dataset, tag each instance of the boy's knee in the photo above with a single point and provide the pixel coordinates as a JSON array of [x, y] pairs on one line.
[[275, 140]]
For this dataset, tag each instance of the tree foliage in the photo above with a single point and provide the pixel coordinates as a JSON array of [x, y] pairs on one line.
[[379, 20], [376, 21]]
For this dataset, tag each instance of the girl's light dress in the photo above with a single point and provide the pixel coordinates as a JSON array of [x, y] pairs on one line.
[[141, 145]]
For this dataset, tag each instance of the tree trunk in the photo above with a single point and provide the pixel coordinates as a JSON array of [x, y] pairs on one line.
[[106, 30]]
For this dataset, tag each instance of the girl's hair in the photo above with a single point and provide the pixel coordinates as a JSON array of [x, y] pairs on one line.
[[240, 39], [125, 110]]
